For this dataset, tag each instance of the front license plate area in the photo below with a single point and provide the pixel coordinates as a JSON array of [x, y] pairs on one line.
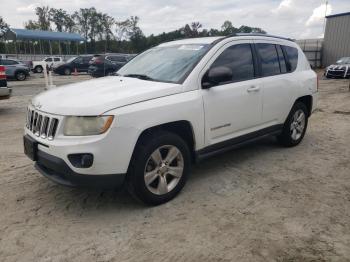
[[30, 147]]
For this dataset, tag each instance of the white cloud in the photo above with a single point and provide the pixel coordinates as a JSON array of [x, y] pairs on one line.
[[318, 15], [290, 18]]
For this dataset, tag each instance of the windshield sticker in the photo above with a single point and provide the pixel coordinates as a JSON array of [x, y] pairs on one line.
[[191, 47]]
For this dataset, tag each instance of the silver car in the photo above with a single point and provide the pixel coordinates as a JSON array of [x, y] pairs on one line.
[[15, 69], [341, 69]]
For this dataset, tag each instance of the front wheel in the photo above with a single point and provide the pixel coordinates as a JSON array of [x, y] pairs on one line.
[[159, 168], [67, 71], [295, 126], [21, 76]]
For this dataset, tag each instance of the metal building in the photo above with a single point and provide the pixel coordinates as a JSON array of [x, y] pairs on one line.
[[337, 38]]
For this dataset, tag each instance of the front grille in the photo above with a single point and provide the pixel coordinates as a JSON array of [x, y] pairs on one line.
[[41, 125]]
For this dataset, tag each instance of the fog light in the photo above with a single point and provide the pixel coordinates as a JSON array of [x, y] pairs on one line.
[[81, 160]]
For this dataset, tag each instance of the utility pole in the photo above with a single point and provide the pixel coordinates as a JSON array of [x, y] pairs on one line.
[[324, 21]]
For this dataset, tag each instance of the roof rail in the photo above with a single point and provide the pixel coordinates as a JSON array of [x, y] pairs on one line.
[[263, 35]]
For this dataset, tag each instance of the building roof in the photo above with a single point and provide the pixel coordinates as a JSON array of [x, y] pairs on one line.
[[24, 34], [336, 15]]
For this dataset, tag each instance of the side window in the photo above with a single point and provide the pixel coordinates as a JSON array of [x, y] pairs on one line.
[[48, 59], [269, 59], [292, 55], [239, 59], [283, 65], [78, 60], [86, 59], [56, 59], [9, 62]]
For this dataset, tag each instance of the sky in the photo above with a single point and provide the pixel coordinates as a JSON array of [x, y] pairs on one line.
[[299, 19]]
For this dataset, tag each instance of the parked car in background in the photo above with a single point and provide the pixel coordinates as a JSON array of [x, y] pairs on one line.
[[15, 69], [52, 61], [5, 91], [341, 69], [107, 64], [79, 63], [176, 103]]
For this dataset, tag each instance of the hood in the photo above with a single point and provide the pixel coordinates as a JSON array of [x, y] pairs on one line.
[[342, 66], [94, 97]]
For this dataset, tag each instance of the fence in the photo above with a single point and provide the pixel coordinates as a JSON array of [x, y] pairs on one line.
[[313, 51]]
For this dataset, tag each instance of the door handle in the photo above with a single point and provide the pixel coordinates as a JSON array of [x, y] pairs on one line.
[[253, 89]]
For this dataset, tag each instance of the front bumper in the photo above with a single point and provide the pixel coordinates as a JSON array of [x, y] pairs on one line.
[[341, 73], [5, 92], [58, 171]]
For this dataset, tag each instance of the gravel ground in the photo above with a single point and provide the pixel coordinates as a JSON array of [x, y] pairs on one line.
[[258, 203]]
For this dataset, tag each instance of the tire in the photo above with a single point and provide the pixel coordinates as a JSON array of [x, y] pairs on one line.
[[295, 126], [165, 179], [67, 71], [38, 69], [21, 76]]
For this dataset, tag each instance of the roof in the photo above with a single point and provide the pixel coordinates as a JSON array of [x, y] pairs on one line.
[[189, 41], [24, 34], [336, 15], [211, 40]]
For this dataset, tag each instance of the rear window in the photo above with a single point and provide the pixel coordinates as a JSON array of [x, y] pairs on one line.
[[269, 59], [56, 59], [117, 58], [292, 56]]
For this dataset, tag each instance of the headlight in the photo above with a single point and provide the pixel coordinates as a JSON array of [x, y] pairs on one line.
[[87, 125]]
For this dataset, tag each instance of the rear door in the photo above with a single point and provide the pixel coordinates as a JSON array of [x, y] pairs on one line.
[[278, 84], [85, 65], [234, 108]]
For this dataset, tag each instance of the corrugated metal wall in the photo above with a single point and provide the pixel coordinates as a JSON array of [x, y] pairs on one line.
[[337, 39], [313, 50]]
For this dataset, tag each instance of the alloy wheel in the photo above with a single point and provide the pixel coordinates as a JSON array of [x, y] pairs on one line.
[[297, 125], [164, 169]]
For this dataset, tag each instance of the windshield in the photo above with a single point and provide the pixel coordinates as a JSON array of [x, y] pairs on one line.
[[165, 64], [344, 60], [71, 59]]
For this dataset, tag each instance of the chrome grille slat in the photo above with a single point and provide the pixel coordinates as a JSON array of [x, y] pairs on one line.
[[41, 125]]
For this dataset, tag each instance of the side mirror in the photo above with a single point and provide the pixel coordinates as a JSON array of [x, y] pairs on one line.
[[216, 75]]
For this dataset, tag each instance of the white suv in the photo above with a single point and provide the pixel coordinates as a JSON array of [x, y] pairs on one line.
[[38, 66], [170, 106]]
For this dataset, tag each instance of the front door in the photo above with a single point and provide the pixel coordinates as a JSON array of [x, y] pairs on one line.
[[233, 108]]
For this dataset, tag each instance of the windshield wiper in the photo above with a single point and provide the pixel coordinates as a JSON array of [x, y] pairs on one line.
[[140, 76]]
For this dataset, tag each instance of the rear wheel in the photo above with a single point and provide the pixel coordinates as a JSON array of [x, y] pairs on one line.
[[295, 126], [159, 168], [38, 69], [21, 76]]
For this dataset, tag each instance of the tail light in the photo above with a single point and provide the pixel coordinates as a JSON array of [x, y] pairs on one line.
[[2, 72]]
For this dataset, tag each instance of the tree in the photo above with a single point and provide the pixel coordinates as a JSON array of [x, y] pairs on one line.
[[107, 24], [3, 27], [31, 25], [62, 20], [82, 18], [195, 26], [227, 28], [43, 14]]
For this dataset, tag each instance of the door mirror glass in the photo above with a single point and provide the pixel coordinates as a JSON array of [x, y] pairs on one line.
[[217, 75]]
